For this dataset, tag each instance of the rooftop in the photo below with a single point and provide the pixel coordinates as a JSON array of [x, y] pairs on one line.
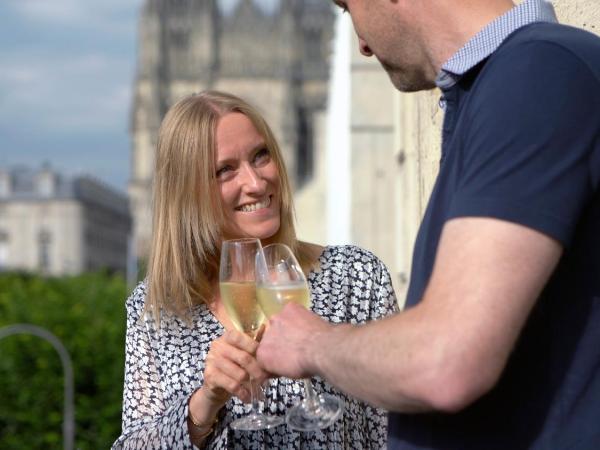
[[45, 184]]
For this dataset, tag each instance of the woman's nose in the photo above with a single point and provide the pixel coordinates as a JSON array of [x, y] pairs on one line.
[[251, 179]]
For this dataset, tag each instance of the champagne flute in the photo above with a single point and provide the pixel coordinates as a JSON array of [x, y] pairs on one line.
[[280, 280], [238, 293]]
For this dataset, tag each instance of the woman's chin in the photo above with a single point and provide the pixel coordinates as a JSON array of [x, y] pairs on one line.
[[266, 235]]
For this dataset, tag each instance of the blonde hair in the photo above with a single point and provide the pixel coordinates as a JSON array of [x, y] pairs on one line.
[[187, 215]]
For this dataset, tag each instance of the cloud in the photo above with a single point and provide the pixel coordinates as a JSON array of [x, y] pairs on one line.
[[17, 76], [268, 6], [68, 73], [55, 11], [87, 92], [66, 81], [107, 15]]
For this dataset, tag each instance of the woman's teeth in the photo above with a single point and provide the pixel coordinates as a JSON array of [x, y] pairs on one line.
[[254, 206]]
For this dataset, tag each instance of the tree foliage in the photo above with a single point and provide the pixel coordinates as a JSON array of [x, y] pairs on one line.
[[87, 314]]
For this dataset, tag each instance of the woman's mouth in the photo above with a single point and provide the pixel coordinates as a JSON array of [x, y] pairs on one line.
[[250, 207]]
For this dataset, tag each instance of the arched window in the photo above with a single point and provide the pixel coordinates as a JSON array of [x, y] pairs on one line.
[[3, 250], [44, 242], [305, 147]]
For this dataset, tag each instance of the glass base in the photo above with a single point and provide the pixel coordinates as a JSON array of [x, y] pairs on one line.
[[308, 416], [253, 422]]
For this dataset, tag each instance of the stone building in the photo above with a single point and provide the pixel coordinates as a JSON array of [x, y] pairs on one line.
[[276, 58], [59, 226]]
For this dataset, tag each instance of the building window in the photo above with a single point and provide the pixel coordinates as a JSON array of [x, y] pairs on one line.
[[3, 250], [44, 241], [304, 149]]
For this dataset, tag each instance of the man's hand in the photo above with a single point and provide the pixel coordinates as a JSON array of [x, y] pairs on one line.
[[288, 345]]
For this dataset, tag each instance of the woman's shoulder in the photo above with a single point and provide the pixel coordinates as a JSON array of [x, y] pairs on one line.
[[137, 299], [310, 250], [349, 254]]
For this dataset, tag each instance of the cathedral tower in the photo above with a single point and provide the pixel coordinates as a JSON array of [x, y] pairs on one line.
[[273, 54]]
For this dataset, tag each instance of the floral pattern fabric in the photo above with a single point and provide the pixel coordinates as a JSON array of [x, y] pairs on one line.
[[165, 365]]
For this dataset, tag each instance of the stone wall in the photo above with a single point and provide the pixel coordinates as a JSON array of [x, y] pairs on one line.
[[61, 223]]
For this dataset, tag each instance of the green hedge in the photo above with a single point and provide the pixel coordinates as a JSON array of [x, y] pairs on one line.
[[87, 314]]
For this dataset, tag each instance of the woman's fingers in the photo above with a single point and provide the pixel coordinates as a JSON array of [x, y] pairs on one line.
[[260, 332], [221, 386], [230, 365], [241, 341], [240, 348]]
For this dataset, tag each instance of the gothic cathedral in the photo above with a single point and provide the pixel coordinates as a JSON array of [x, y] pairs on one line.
[[272, 53]]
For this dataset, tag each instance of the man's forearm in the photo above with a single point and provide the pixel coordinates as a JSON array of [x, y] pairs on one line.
[[370, 362], [392, 363]]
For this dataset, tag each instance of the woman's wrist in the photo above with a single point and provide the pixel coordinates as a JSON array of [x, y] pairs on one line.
[[200, 429], [202, 417], [201, 411]]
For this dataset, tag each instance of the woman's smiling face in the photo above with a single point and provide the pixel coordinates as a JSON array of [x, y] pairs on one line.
[[248, 179]]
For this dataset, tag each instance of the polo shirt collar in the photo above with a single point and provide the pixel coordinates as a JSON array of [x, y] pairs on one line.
[[487, 41]]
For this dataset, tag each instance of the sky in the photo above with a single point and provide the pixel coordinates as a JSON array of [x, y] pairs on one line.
[[66, 75], [67, 69]]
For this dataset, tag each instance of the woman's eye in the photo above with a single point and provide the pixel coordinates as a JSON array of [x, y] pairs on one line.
[[222, 171], [262, 155]]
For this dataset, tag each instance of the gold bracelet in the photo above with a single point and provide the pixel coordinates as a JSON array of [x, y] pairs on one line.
[[200, 426]]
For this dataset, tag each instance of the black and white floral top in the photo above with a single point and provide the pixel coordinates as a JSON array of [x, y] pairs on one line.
[[164, 366]]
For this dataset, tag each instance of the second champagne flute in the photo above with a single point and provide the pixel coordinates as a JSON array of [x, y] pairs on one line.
[[238, 292], [280, 280]]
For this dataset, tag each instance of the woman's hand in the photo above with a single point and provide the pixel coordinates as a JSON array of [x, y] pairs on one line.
[[230, 365]]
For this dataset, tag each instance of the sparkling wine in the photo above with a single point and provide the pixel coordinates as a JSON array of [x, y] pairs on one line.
[[272, 298], [239, 299]]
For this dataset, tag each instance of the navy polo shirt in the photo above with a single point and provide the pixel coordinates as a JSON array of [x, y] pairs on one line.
[[521, 143]]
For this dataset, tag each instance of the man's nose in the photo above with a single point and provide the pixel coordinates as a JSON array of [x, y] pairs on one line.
[[364, 48]]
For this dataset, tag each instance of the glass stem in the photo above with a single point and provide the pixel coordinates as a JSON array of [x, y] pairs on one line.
[[310, 395], [254, 398]]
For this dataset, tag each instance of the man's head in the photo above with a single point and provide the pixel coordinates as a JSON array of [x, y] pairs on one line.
[[391, 30], [412, 39]]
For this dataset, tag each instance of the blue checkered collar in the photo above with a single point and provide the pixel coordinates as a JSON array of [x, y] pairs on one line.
[[487, 41]]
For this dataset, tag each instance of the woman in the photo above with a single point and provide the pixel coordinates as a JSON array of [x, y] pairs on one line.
[[220, 175]]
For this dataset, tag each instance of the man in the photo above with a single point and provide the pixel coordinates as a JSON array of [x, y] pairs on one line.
[[499, 347]]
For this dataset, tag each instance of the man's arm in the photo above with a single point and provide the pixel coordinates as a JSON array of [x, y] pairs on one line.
[[449, 349]]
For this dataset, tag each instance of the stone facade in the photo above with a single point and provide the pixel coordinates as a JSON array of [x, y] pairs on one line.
[[368, 152], [60, 226], [276, 60]]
